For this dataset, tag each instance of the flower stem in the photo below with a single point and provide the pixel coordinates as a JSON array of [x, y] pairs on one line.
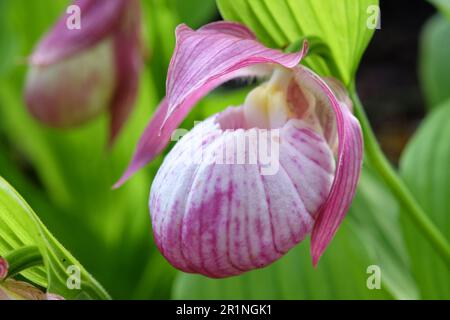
[[23, 258], [411, 207]]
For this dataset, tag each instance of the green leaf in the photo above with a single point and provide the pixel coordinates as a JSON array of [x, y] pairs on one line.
[[424, 167], [21, 227], [375, 215], [433, 61], [341, 25]]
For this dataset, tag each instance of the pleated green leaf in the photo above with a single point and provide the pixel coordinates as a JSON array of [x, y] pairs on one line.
[[424, 167], [19, 227], [345, 26]]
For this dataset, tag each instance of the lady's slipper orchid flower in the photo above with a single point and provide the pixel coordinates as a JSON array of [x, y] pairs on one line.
[[224, 219], [76, 73]]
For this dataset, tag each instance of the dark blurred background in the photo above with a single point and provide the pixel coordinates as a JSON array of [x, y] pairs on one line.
[[387, 80]]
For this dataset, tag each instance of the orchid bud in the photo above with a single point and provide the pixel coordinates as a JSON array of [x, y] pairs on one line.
[[77, 73], [251, 182]]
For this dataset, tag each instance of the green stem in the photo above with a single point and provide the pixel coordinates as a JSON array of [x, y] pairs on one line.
[[23, 258], [378, 160]]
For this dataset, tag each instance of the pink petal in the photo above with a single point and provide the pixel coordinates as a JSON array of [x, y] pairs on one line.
[[152, 142], [203, 60], [98, 18], [348, 167], [225, 219], [129, 62], [210, 56]]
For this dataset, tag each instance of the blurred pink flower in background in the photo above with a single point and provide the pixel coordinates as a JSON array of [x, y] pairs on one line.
[[77, 73]]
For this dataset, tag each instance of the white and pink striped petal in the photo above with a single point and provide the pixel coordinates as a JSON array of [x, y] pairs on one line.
[[215, 216]]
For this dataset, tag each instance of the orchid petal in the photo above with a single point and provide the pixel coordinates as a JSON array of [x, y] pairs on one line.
[[152, 142], [128, 57], [203, 60], [348, 166], [98, 18], [212, 55], [219, 217]]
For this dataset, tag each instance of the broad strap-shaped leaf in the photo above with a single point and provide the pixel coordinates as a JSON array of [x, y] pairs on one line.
[[424, 167], [345, 26], [21, 227], [378, 224]]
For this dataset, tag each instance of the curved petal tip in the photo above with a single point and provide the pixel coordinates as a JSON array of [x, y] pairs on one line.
[[348, 169]]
